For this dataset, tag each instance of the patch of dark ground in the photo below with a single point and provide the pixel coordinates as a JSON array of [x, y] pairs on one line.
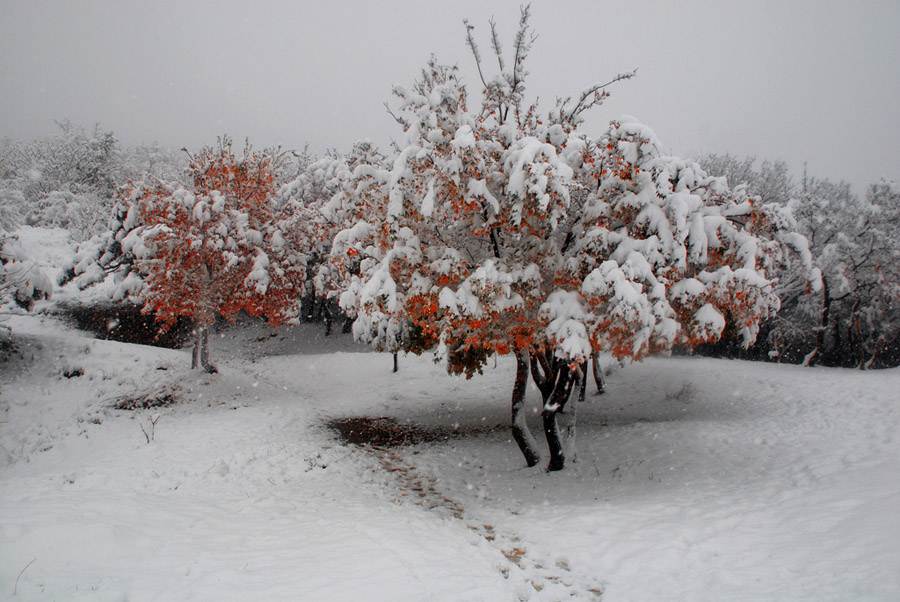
[[159, 397], [126, 323], [384, 431], [380, 436]]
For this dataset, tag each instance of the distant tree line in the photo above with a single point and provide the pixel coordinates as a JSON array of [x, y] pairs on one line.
[[71, 180], [852, 318]]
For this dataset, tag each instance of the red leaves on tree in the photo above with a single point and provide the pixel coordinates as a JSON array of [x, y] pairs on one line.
[[214, 247]]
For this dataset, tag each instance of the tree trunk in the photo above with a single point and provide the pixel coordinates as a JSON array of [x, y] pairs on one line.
[[556, 382], [557, 402], [308, 305], [396, 367], [582, 381], [598, 374], [520, 432], [195, 354], [201, 351], [571, 413], [816, 354], [326, 313], [856, 336]]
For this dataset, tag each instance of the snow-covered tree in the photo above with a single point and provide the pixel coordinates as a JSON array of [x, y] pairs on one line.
[[769, 180], [496, 230], [218, 246], [217, 243], [846, 318], [69, 180], [12, 203], [321, 199], [72, 179], [856, 245], [788, 333]]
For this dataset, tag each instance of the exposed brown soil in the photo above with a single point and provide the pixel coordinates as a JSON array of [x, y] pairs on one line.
[[384, 431]]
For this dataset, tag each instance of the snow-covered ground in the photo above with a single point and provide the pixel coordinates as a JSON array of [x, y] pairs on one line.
[[696, 479]]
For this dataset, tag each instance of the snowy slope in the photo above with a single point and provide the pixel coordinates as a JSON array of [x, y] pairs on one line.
[[239, 495], [697, 479]]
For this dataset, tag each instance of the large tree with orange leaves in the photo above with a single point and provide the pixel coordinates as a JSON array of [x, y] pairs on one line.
[[501, 231], [218, 245]]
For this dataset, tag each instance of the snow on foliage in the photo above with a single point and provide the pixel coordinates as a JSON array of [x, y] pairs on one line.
[[21, 280], [325, 198], [494, 230], [839, 295], [640, 223], [856, 246], [215, 244], [209, 250]]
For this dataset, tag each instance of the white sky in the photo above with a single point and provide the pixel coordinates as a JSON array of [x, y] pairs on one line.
[[814, 81]]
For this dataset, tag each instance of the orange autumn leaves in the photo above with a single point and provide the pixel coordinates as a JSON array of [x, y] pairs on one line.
[[212, 246]]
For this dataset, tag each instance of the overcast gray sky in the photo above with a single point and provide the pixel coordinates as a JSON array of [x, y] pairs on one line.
[[814, 81]]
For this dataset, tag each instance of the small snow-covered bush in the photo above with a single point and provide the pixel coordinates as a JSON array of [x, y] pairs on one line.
[[21, 281]]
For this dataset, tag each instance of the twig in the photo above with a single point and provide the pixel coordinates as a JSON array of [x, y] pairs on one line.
[[152, 434], [16, 588]]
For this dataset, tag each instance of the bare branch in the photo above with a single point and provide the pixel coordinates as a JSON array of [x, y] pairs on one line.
[[470, 42], [495, 44], [523, 43], [400, 120], [594, 95]]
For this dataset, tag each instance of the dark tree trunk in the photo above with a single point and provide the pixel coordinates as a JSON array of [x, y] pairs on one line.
[[326, 314], [396, 367], [308, 305], [561, 392], [556, 381], [520, 432], [582, 381], [195, 354], [855, 336], [826, 352], [598, 374]]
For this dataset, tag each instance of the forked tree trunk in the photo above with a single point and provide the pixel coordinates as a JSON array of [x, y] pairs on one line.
[[556, 381], [555, 405], [520, 432]]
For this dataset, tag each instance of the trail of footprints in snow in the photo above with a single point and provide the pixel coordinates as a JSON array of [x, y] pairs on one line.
[[553, 581]]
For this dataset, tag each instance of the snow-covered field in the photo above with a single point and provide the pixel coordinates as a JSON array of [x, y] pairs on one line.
[[696, 479]]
